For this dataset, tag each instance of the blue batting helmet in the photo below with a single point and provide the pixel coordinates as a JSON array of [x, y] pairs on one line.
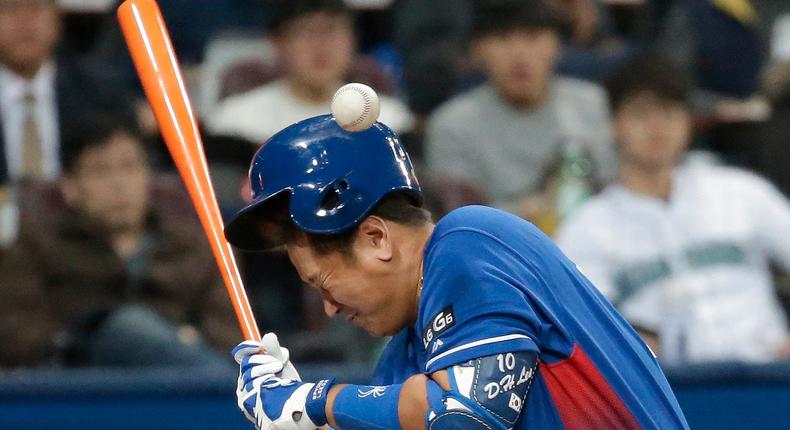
[[334, 177]]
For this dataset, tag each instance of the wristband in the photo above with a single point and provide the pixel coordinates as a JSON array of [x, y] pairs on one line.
[[315, 404], [364, 407]]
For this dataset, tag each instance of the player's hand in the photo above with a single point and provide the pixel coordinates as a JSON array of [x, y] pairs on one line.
[[269, 345], [274, 403]]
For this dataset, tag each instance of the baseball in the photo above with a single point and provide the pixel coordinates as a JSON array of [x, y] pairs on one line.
[[355, 107]]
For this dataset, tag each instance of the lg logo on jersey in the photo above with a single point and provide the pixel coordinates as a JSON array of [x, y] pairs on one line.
[[439, 324]]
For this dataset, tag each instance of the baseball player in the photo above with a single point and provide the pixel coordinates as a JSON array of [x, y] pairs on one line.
[[493, 327]]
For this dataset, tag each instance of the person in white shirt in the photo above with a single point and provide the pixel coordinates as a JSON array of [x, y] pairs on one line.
[[682, 247], [315, 41], [315, 45]]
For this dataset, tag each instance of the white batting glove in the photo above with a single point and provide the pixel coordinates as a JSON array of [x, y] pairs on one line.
[[253, 371], [272, 402], [268, 345], [272, 347]]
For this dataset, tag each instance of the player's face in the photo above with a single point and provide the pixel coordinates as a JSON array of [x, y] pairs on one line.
[[519, 63], [316, 50], [650, 131], [109, 183], [366, 290], [29, 30]]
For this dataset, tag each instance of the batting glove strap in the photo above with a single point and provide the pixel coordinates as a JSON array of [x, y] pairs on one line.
[[315, 404]]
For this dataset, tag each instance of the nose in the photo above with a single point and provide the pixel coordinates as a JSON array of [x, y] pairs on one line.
[[331, 308]]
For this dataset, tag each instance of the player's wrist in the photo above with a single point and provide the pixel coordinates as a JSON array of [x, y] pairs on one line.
[[316, 401]]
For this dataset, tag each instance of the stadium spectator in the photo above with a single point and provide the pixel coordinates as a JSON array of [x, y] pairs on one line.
[[509, 132], [315, 45], [40, 94], [314, 40], [432, 39], [682, 248], [112, 268]]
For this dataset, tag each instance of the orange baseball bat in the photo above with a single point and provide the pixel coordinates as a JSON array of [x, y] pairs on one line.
[[152, 51]]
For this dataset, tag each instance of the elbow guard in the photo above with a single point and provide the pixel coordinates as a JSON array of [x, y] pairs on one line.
[[486, 393]]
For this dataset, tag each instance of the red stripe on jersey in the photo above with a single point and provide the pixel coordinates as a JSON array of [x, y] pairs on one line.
[[583, 398]]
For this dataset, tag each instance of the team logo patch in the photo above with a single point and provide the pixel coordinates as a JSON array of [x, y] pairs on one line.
[[439, 323], [374, 391]]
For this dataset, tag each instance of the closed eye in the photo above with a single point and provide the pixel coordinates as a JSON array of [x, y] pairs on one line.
[[314, 281], [321, 284]]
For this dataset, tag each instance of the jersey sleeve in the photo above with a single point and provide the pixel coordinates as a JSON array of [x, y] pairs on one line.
[[473, 304], [397, 361]]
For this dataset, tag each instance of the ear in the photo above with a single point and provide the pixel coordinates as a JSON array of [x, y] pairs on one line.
[[374, 239]]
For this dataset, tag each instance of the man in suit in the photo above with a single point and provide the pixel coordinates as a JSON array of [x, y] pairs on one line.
[[40, 94]]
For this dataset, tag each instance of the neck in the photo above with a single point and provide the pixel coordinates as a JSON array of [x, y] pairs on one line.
[[312, 94], [127, 242], [25, 71], [653, 181], [414, 250], [529, 102]]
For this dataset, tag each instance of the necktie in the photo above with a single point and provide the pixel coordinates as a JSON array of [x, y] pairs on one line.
[[32, 152]]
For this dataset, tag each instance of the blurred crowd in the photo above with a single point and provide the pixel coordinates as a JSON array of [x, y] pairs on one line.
[[648, 137]]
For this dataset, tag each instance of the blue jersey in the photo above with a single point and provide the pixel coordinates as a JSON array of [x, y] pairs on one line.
[[494, 283]]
